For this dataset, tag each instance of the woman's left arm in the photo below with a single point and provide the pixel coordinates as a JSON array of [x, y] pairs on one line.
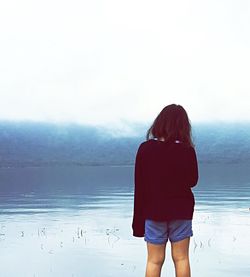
[[138, 224]]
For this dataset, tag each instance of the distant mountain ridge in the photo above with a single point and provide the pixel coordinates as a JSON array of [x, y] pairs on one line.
[[38, 144]]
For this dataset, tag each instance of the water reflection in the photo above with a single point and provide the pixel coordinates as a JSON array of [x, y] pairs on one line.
[[82, 217]]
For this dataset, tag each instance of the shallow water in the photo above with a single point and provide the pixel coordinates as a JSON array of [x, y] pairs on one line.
[[76, 221]]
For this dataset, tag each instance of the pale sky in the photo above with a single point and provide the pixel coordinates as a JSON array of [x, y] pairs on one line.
[[112, 61]]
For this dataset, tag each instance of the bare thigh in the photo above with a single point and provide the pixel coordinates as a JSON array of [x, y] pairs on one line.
[[180, 249], [156, 252]]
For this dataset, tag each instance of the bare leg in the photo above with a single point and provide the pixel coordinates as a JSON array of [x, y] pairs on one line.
[[180, 255], [155, 260]]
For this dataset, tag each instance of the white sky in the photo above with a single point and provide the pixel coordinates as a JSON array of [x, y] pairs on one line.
[[113, 61]]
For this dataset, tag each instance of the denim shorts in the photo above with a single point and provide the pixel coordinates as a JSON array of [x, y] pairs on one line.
[[158, 232]]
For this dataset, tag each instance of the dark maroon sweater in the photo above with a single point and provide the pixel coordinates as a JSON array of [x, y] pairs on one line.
[[164, 173]]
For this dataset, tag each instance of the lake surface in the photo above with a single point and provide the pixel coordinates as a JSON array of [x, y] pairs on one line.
[[76, 221]]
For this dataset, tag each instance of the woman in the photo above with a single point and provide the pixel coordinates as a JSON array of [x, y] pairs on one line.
[[165, 171]]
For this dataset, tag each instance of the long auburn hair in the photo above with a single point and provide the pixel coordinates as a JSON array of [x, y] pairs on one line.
[[172, 123]]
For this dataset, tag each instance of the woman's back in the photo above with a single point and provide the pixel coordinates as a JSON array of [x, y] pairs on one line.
[[169, 166], [164, 174]]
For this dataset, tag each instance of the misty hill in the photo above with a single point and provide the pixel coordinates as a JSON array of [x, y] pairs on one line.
[[36, 144]]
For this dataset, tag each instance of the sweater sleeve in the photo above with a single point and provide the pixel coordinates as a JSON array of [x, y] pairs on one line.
[[138, 224], [192, 172]]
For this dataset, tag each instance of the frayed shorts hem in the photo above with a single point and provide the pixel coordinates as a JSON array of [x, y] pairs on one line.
[[181, 238], [166, 240], [155, 241]]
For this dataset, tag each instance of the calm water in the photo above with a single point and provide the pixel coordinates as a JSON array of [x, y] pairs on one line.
[[76, 221]]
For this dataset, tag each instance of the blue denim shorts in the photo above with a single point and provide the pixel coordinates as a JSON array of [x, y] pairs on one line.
[[158, 232]]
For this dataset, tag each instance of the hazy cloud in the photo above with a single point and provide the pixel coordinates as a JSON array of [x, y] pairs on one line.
[[101, 62]]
